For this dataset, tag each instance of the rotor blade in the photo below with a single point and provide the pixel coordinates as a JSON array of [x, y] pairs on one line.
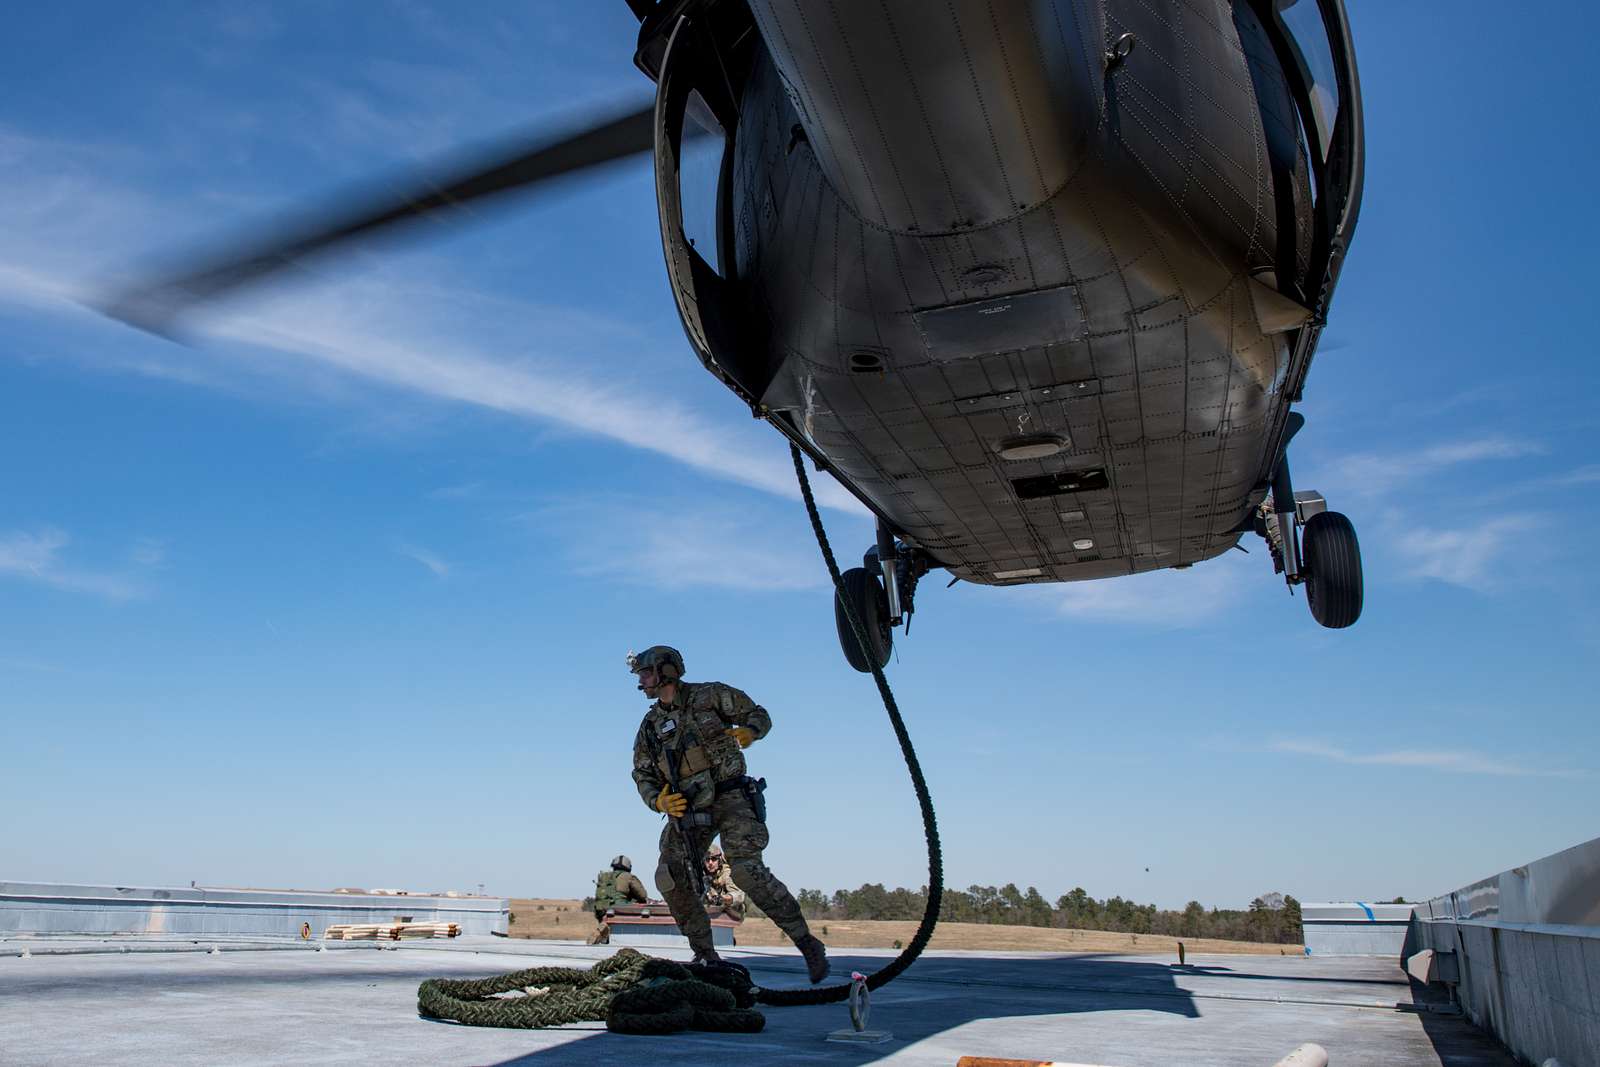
[[155, 307]]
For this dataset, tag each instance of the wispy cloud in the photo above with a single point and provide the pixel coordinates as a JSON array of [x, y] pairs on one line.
[[1588, 475], [1165, 599], [430, 560], [352, 328], [1380, 472], [1491, 391], [148, 552], [1457, 761], [461, 491], [31, 288], [675, 547], [35, 557], [388, 327], [1465, 556]]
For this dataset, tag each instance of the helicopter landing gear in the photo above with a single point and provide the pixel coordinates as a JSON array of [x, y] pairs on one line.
[[882, 590], [868, 597], [1314, 547], [1333, 569]]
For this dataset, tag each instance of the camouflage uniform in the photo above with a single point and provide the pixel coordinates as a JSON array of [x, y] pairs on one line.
[[613, 887], [721, 892], [693, 728]]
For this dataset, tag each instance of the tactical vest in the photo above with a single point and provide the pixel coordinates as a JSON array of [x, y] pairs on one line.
[[698, 734], [606, 893]]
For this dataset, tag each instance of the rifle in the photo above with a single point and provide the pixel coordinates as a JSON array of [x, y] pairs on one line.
[[692, 854]]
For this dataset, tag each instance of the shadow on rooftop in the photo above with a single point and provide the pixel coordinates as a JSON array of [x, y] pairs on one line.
[[936, 995], [1455, 1039]]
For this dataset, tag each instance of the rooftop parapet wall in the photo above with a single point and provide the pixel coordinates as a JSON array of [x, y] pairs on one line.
[[1526, 953], [1559, 890], [43, 909]]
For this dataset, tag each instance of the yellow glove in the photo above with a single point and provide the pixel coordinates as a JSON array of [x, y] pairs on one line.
[[668, 803], [742, 734]]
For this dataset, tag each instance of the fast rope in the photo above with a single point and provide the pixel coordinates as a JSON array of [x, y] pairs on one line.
[[639, 994], [631, 992], [930, 827]]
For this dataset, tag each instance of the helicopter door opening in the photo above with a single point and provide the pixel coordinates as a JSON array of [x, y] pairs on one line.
[[1311, 38], [1308, 38], [693, 203], [701, 181]]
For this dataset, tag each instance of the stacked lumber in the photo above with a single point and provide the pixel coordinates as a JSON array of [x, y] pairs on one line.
[[396, 931]]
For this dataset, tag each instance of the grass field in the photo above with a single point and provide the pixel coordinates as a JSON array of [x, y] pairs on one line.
[[552, 919]]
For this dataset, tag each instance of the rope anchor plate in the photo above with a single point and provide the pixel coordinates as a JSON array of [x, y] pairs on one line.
[[860, 1003]]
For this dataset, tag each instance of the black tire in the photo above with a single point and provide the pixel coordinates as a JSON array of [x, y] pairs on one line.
[[865, 591], [1332, 559]]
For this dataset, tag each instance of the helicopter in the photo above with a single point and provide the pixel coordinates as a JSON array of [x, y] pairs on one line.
[[1037, 282]]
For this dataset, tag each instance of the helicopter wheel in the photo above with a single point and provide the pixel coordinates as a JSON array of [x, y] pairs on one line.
[[1332, 562], [866, 594]]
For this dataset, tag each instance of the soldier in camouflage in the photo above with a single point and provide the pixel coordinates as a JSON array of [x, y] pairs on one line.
[[619, 885], [693, 735], [721, 890]]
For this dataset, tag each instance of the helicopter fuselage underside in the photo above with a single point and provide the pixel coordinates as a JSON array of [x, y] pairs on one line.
[[1021, 279]]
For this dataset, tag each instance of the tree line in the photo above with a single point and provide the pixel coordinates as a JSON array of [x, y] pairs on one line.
[[1272, 917]]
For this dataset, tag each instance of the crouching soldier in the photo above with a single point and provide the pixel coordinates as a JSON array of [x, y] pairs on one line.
[[619, 885], [721, 891]]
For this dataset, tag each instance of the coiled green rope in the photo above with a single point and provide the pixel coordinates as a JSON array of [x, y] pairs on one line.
[[631, 992]]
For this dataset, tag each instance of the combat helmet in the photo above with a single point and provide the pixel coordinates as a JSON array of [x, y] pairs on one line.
[[622, 863], [655, 656]]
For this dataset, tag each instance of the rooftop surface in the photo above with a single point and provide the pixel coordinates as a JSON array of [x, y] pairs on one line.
[[139, 1001]]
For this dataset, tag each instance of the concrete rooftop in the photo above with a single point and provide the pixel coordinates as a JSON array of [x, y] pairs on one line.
[[138, 1001]]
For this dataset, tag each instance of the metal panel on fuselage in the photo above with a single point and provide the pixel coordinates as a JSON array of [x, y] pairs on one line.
[[953, 159]]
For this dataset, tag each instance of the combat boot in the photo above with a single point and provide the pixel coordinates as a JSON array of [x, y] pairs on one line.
[[706, 957], [816, 956]]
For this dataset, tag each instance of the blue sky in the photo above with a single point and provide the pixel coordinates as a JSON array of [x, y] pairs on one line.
[[368, 557]]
